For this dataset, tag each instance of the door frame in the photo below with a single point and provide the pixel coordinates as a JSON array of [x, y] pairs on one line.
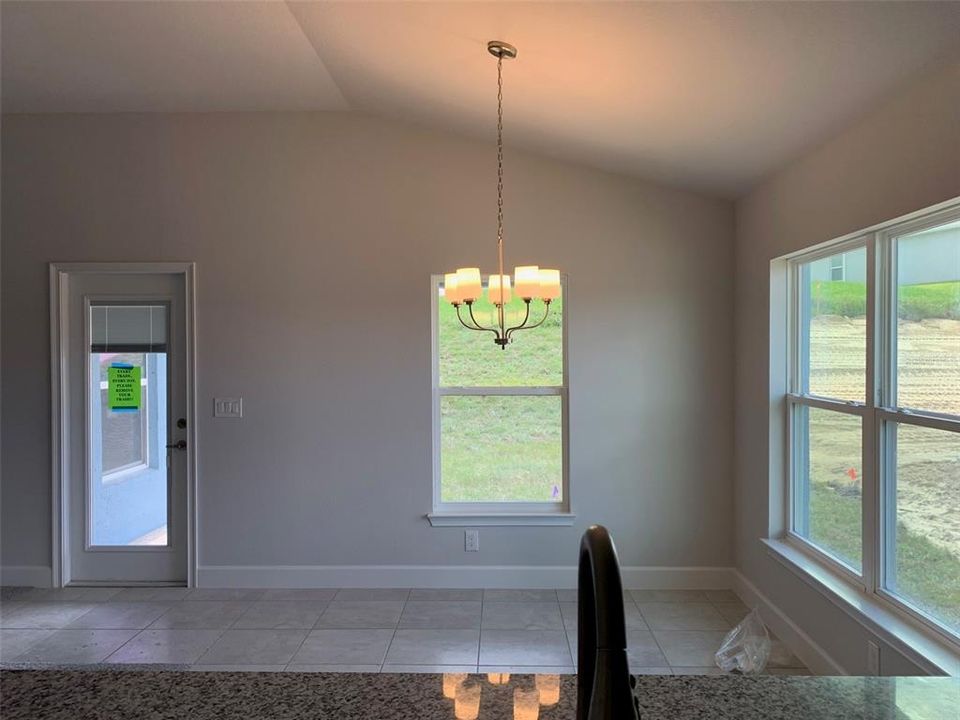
[[60, 273]]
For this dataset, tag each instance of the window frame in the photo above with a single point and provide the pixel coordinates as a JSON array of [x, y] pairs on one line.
[[797, 398], [497, 513], [879, 413]]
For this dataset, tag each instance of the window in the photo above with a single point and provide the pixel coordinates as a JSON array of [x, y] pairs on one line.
[[499, 435], [838, 267], [873, 413]]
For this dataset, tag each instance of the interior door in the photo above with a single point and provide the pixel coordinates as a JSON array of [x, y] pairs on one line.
[[127, 512]]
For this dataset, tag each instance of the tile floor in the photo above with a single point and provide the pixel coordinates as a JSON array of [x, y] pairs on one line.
[[359, 630]]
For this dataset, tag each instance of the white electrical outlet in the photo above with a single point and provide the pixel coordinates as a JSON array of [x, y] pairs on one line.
[[873, 658], [471, 540]]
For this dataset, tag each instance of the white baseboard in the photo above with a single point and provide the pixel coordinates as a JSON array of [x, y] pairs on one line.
[[801, 644], [26, 575], [441, 576]]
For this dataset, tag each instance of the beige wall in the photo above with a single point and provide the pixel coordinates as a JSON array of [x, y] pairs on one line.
[[289, 217], [903, 157]]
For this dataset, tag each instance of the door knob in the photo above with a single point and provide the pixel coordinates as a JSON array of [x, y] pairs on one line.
[[178, 445]]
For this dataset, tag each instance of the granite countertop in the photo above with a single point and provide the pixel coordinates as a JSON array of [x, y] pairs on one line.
[[151, 695]]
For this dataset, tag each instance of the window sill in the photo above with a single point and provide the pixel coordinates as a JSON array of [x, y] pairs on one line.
[[488, 519], [922, 647]]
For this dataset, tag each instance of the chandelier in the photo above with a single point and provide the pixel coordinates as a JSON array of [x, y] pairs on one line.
[[530, 282]]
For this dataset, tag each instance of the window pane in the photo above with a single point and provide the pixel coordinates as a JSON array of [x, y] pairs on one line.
[[827, 496], [128, 460], [923, 540], [501, 449], [470, 358], [834, 326], [928, 319]]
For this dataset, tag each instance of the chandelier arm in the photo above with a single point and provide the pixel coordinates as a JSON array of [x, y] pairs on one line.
[[526, 316], [476, 325], [469, 327], [535, 325]]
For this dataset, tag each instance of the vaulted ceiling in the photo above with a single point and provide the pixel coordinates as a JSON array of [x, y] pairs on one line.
[[711, 96]]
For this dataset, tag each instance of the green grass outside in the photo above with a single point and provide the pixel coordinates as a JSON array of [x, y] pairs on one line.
[[915, 302], [926, 574], [501, 449], [535, 357], [835, 522]]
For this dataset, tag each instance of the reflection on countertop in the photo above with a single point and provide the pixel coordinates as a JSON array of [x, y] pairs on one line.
[[117, 695]]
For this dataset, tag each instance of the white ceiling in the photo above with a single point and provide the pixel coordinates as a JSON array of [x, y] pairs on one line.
[[712, 96], [159, 57]]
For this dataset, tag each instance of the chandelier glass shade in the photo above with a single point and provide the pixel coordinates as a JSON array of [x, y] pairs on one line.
[[529, 282]]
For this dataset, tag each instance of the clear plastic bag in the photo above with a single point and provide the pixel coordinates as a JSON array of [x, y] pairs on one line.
[[746, 648]]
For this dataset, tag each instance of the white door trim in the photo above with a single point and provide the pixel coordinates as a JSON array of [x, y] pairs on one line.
[[59, 392]]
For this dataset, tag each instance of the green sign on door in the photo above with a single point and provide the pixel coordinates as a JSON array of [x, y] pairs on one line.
[[123, 384]]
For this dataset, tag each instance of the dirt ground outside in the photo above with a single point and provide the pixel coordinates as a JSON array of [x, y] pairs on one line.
[[928, 461]]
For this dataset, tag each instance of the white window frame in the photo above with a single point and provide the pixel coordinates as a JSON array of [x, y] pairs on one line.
[[879, 414], [445, 514]]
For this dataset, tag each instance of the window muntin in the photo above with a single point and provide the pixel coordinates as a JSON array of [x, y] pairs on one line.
[[499, 415], [902, 285]]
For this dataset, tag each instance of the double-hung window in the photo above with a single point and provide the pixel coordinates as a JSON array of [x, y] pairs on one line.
[[873, 413], [499, 417]]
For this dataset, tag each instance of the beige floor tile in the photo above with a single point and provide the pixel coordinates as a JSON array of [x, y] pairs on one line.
[[524, 647], [76, 646], [682, 616], [436, 647], [254, 647], [521, 616], [441, 614], [281, 615], [369, 614], [165, 646], [344, 647]]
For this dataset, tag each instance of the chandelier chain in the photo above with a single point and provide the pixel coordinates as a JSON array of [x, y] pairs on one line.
[[500, 307], [500, 150]]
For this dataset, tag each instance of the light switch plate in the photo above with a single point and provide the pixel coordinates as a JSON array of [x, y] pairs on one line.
[[228, 407]]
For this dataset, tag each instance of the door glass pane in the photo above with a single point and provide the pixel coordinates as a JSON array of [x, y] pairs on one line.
[[834, 326], [928, 319], [501, 449], [127, 488], [923, 535], [828, 491], [470, 358]]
